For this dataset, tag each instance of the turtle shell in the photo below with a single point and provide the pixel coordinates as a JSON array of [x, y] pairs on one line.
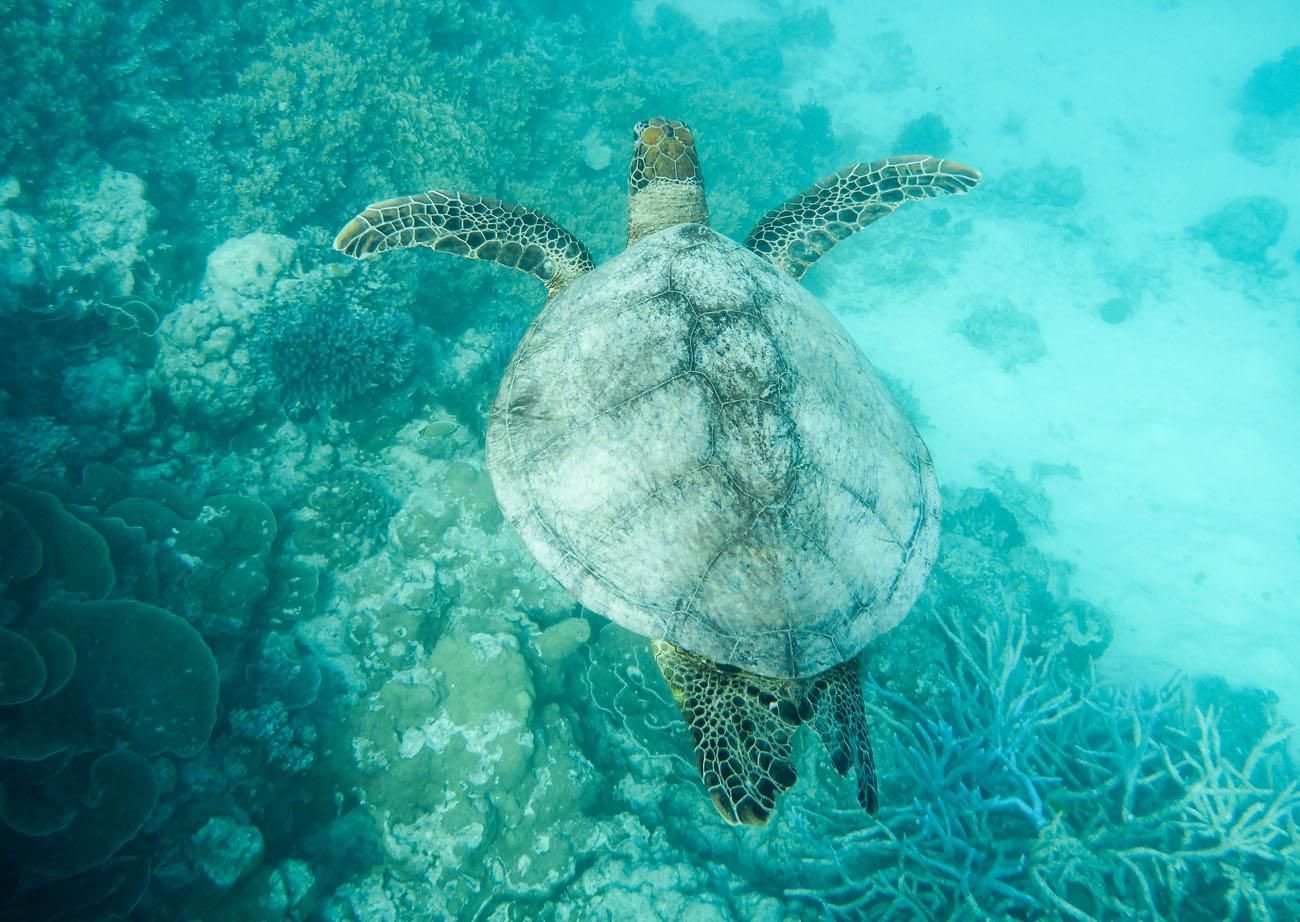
[[695, 448]]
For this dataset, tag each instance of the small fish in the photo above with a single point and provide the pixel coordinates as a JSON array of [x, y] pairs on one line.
[[439, 428]]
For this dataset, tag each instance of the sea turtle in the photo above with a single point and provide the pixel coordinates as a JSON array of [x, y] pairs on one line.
[[695, 448]]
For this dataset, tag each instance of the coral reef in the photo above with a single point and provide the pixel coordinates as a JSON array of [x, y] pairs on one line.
[[84, 242], [259, 665], [1270, 107], [1005, 332], [101, 230], [124, 600], [93, 689], [109, 395], [1273, 88], [926, 133], [34, 445], [56, 64], [1244, 229], [1083, 802], [226, 849], [266, 331], [328, 352], [205, 365], [1037, 790]]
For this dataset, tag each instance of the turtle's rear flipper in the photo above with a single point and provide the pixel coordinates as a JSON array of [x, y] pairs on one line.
[[741, 725], [799, 232], [841, 721], [473, 227]]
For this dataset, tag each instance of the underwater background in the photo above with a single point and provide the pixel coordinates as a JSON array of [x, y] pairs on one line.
[[267, 648]]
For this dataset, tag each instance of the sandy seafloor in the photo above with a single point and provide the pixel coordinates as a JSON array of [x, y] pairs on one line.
[[267, 648], [1165, 444]]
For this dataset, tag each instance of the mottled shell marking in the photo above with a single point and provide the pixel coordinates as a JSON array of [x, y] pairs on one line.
[[656, 449]]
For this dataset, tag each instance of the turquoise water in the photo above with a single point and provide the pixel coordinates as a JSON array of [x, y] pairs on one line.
[[268, 649]]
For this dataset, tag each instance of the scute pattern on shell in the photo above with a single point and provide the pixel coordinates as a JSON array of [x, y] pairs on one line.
[[694, 447]]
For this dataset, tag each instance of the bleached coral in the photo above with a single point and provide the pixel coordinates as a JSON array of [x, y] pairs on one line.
[[227, 849], [84, 244], [99, 229]]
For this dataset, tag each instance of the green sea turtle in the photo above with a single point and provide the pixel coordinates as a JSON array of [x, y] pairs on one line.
[[695, 448]]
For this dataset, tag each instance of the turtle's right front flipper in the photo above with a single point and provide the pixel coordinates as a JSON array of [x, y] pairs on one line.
[[797, 233], [473, 227]]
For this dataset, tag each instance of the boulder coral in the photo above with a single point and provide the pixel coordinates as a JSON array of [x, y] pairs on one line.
[[205, 366], [97, 223], [85, 241], [226, 849]]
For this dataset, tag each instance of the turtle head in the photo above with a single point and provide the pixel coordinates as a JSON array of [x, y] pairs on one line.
[[665, 186], [665, 152]]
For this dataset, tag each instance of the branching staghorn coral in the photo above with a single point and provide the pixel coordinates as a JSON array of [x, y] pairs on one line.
[[1036, 796], [323, 352], [978, 776], [1157, 811]]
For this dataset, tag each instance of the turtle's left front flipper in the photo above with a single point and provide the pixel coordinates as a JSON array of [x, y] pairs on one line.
[[796, 234], [471, 226]]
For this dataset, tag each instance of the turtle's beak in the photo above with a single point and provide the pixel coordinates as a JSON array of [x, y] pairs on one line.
[[665, 151]]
